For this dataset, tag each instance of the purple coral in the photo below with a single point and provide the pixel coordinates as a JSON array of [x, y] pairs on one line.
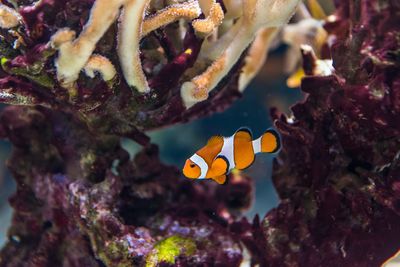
[[81, 201]]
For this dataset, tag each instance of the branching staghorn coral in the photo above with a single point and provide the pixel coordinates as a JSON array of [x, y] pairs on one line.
[[214, 16], [256, 15], [187, 10], [74, 53], [170, 46]]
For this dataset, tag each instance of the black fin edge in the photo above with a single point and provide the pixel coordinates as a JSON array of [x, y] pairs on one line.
[[245, 129], [227, 162], [278, 139], [226, 180]]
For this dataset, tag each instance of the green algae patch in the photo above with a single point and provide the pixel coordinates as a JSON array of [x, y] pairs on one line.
[[115, 253], [34, 73], [168, 249]]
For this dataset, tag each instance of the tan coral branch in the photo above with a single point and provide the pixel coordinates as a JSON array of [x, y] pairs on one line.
[[256, 56], [128, 46], [102, 65], [233, 9], [188, 10], [211, 50], [257, 14], [73, 55], [273, 13], [205, 6], [9, 18], [211, 22], [199, 87], [62, 36]]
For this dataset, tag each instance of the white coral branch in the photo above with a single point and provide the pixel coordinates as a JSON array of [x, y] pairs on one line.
[[128, 45], [61, 37], [246, 21], [234, 9], [102, 65], [188, 10], [257, 14], [199, 87], [256, 56], [9, 18], [73, 55], [214, 16]]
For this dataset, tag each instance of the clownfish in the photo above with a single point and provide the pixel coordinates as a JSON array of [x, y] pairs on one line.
[[222, 154]]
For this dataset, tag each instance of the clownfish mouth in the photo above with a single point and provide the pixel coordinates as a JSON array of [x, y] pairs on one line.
[[188, 175]]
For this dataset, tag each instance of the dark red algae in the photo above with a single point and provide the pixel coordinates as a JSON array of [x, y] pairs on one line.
[[82, 201], [339, 168]]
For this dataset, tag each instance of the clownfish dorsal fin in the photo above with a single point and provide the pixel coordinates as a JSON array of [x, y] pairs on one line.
[[220, 179], [244, 133], [215, 140]]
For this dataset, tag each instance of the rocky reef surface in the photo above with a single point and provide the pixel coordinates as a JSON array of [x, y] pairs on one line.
[[82, 201], [338, 174]]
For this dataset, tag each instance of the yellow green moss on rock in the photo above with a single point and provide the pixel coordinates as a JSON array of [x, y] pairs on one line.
[[34, 73], [168, 249]]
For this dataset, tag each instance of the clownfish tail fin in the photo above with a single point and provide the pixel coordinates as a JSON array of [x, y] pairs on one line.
[[270, 142]]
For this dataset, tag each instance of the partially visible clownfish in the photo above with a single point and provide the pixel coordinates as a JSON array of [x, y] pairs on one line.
[[222, 154]]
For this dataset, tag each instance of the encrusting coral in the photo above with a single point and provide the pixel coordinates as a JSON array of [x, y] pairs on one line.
[[82, 201]]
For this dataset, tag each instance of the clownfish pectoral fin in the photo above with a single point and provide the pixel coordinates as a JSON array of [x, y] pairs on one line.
[[270, 141], [220, 179], [244, 133], [215, 140], [220, 166]]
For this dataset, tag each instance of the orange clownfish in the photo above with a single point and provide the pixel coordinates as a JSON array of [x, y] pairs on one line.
[[222, 154]]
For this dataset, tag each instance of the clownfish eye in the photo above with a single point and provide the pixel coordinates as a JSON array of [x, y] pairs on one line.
[[192, 165]]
